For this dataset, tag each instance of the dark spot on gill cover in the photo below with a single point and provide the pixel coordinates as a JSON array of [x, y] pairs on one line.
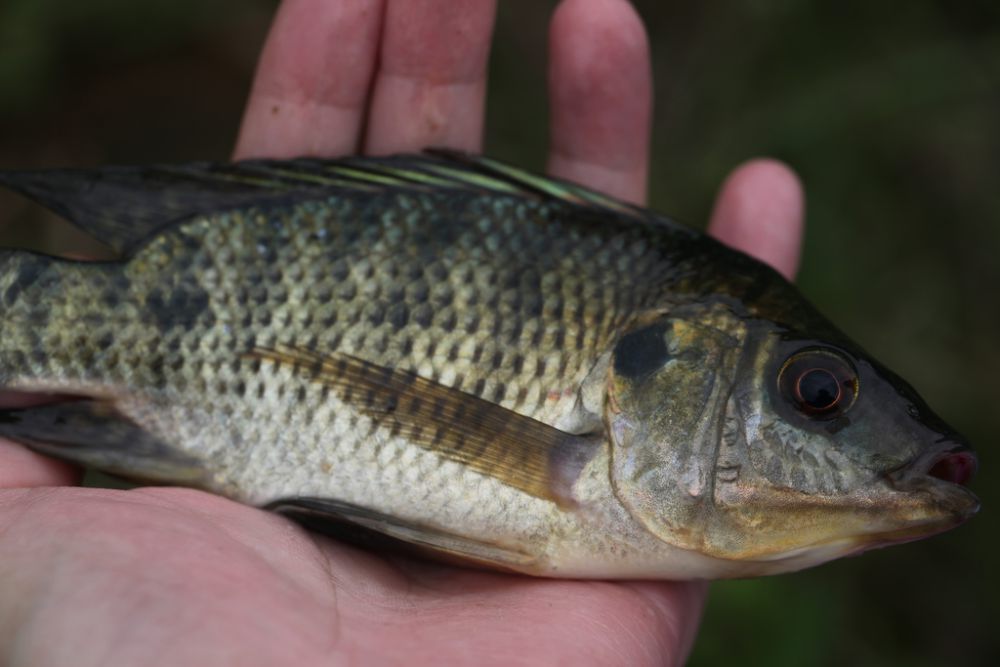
[[641, 352]]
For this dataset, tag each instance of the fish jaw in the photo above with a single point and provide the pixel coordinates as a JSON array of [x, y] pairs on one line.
[[781, 530]]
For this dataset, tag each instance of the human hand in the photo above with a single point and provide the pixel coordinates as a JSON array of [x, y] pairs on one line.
[[174, 576]]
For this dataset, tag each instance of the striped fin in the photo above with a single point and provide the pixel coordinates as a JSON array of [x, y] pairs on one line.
[[527, 181], [519, 451], [332, 517]]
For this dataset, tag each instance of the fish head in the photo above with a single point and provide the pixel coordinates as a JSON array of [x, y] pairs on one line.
[[741, 440]]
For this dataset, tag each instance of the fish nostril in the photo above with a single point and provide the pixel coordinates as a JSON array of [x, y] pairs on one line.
[[955, 467]]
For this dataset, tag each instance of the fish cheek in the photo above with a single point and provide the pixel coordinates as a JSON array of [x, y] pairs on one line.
[[663, 423], [779, 487], [794, 494]]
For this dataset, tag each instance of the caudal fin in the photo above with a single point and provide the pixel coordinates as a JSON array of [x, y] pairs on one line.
[[94, 434]]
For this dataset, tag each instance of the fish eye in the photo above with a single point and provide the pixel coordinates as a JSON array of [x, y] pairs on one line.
[[820, 383]]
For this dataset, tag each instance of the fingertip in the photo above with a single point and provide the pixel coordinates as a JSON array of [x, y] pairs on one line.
[[430, 87], [760, 210], [696, 594], [600, 84], [679, 605], [615, 24], [23, 468], [311, 85]]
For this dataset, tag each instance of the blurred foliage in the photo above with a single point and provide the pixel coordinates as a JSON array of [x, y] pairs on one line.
[[889, 111]]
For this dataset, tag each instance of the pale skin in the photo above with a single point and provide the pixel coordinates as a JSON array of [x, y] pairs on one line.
[[160, 576]]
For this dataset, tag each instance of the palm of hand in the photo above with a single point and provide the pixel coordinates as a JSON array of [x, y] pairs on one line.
[[173, 576], [215, 582]]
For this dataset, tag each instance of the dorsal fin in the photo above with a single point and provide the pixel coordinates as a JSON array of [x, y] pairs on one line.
[[124, 206], [546, 186]]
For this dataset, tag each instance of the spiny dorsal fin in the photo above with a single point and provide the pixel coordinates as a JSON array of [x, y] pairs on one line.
[[546, 186], [483, 436], [124, 206]]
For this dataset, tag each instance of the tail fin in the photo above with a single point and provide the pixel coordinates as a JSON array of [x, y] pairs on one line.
[[93, 433]]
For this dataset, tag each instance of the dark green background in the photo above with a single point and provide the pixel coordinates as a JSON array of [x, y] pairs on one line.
[[891, 113]]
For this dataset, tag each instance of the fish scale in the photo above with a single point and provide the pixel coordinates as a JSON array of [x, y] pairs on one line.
[[497, 367], [196, 317]]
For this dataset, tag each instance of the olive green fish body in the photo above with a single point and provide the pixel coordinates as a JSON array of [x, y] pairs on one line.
[[497, 367]]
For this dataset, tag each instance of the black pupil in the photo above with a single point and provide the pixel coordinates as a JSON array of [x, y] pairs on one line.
[[819, 389]]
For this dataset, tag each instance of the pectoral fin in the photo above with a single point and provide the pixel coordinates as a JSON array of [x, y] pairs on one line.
[[519, 451], [329, 517]]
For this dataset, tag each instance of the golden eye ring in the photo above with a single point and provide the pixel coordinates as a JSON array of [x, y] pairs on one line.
[[819, 383]]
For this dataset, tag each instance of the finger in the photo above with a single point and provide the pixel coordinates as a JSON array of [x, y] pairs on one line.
[[20, 468], [601, 93], [759, 210], [678, 606], [310, 91], [430, 89]]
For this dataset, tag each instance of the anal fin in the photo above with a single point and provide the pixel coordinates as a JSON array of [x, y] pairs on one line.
[[337, 518]]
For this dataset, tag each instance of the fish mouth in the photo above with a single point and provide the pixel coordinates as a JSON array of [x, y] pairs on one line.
[[950, 461], [958, 466], [937, 498], [941, 475]]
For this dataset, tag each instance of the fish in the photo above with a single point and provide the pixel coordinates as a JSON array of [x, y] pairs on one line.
[[490, 366]]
